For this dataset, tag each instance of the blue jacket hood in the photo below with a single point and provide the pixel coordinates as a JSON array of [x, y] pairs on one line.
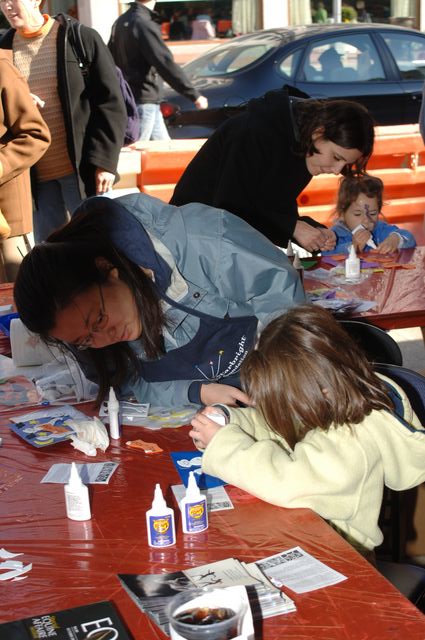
[[129, 236]]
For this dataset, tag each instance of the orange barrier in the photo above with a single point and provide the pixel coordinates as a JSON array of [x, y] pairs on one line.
[[398, 159]]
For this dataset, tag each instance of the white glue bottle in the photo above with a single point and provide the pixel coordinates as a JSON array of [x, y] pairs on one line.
[[113, 412], [290, 251], [77, 497], [352, 266], [298, 266], [194, 508], [160, 522]]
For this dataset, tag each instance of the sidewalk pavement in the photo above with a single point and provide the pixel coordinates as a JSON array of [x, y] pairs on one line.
[[412, 347]]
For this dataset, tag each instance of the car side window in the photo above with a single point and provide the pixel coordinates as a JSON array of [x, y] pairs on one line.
[[408, 52], [227, 60], [288, 66], [346, 59]]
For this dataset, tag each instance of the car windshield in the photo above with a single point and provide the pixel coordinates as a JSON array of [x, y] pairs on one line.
[[236, 56]]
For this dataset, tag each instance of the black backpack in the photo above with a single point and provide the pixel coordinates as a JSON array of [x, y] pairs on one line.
[[132, 130]]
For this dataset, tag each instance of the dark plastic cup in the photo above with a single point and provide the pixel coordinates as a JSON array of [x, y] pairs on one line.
[[207, 598]]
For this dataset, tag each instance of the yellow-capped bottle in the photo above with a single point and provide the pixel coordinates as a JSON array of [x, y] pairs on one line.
[[160, 522], [193, 508]]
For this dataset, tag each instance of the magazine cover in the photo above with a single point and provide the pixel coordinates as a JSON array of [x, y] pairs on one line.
[[98, 621]]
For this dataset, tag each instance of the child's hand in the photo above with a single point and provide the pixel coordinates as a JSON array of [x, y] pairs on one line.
[[390, 244], [203, 428], [360, 239]]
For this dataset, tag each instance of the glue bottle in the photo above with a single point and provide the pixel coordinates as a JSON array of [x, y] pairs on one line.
[[77, 497], [352, 266], [194, 508], [113, 411], [290, 252], [160, 522], [298, 266]]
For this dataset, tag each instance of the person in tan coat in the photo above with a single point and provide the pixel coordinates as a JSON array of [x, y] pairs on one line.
[[24, 137]]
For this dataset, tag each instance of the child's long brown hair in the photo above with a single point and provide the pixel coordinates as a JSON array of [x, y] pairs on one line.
[[307, 373], [350, 187]]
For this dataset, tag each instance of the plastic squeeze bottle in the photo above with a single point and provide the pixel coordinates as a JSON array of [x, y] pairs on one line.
[[194, 508], [298, 266], [160, 522], [113, 411], [352, 266], [77, 497], [370, 243], [290, 251]]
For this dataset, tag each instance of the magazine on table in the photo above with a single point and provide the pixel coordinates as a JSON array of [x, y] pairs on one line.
[[97, 621], [152, 592]]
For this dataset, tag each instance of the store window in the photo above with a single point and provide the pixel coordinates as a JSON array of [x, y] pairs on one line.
[[179, 18], [61, 6], [402, 12]]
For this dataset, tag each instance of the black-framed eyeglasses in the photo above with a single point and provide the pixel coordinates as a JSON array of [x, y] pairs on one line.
[[99, 324]]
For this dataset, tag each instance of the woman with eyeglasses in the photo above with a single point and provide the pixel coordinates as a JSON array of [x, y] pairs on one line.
[[163, 303]]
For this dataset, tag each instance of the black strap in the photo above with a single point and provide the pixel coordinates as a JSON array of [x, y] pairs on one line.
[[77, 45]]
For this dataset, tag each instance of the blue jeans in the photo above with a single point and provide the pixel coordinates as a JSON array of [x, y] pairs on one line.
[[152, 125], [56, 201]]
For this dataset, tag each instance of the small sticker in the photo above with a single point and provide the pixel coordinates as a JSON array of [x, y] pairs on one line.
[[147, 447]]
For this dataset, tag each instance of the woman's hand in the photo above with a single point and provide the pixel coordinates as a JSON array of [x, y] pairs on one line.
[[312, 238], [329, 240], [390, 244], [203, 428], [224, 393]]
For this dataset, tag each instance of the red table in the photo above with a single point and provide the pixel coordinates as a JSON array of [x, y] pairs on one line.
[[77, 563], [399, 293]]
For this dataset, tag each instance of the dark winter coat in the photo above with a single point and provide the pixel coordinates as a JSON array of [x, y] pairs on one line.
[[95, 120]]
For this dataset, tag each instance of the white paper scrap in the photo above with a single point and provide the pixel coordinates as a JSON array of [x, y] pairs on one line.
[[299, 571], [8, 554], [217, 497], [90, 473], [14, 573]]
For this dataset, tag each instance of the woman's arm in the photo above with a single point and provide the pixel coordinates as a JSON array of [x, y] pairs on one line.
[[25, 134]]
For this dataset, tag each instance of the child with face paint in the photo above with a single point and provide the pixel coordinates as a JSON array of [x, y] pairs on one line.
[[358, 209]]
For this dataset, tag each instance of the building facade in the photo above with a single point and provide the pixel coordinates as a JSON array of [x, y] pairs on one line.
[[249, 15]]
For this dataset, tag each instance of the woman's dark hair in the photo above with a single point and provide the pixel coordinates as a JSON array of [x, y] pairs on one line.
[[307, 373], [57, 270], [350, 187], [345, 123]]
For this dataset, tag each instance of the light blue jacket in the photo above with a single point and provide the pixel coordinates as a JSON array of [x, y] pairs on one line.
[[206, 259], [344, 237]]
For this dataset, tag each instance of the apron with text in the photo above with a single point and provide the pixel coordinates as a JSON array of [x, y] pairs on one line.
[[215, 352]]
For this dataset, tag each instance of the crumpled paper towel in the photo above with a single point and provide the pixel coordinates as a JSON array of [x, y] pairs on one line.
[[90, 435]]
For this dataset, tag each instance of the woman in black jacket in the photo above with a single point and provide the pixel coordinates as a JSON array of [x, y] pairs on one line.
[[257, 163]]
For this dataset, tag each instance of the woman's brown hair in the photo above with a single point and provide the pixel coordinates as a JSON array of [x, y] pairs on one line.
[[307, 373], [345, 123]]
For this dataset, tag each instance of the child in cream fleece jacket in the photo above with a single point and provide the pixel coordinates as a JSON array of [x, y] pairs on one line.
[[326, 432]]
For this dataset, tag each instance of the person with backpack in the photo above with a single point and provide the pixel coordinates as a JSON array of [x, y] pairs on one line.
[[139, 51], [85, 113]]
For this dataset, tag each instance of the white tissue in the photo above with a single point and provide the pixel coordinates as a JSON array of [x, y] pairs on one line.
[[91, 435]]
